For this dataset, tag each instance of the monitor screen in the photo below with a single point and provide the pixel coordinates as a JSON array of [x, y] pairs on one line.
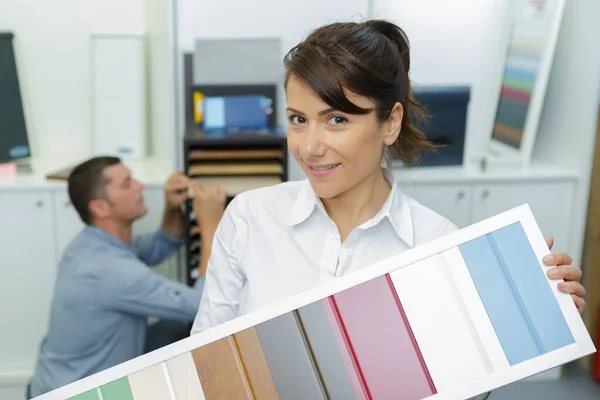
[[236, 113], [14, 143]]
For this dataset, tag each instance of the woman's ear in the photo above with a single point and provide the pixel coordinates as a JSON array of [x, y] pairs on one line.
[[393, 124]]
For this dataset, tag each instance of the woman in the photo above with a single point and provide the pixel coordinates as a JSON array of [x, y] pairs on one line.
[[349, 108]]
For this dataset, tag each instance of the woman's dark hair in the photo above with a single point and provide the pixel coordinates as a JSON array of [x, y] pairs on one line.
[[371, 59]]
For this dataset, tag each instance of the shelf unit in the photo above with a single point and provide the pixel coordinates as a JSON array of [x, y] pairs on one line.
[[238, 163]]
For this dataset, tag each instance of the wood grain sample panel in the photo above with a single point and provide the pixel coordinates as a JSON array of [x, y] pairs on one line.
[[234, 154], [255, 365], [221, 371], [236, 169], [235, 185]]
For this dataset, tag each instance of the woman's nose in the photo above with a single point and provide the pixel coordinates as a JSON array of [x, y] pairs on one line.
[[313, 145]]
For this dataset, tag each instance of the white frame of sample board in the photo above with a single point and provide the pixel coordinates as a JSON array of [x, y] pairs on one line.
[[582, 346]]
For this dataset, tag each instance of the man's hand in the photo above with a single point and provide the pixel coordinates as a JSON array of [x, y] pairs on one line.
[[209, 205], [176, 190]]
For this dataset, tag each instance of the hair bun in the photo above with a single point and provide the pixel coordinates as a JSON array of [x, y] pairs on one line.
[[396, 35]]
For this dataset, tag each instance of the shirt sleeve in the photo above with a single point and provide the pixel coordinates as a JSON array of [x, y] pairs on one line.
[[130, 286], [154, 248], [224, 278]]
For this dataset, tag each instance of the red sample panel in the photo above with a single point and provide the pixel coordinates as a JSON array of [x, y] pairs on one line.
[[386, 355]]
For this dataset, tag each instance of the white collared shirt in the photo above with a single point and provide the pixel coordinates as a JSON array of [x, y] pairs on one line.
[[278, 241]]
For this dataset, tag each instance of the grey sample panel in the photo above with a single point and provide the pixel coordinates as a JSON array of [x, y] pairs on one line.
[[326, 352], [289, 359], [238, 61]]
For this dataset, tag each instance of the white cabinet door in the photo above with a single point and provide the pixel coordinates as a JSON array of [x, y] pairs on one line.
[[28, 268], [66, 221], [550, 202], [450, 201]]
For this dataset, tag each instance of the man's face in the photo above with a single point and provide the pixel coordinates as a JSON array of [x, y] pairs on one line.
[[123, 195]]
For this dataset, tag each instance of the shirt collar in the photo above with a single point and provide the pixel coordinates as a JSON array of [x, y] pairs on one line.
[[396, 209], [94, 232]]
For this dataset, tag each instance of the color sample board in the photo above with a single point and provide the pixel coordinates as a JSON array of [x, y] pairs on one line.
[[527, 69], [451, 319]]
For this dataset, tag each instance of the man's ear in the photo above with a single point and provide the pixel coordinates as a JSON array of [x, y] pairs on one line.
[[393, 124], [99, 208]]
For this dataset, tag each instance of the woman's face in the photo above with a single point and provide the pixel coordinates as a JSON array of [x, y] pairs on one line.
[[336, 151]]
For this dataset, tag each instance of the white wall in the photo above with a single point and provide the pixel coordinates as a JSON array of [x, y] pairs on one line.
[[286, 19], [53, 57], [455, 43], [158, 18], [463, 41], [567, 130]]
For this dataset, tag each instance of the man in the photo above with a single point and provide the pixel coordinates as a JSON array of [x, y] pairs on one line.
[[105, 290]]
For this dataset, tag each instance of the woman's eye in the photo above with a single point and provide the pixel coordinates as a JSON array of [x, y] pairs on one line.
[[296, 119], [337, 120]]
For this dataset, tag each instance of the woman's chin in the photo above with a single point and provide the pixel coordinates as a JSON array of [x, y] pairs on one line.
[[325, 191]]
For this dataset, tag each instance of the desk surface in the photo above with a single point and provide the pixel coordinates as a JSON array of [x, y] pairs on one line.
[[150, 172], [473, 174]]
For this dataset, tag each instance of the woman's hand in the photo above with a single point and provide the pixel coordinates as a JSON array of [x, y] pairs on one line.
[[562, 269]]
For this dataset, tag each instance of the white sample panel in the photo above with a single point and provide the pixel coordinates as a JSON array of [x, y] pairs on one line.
[[184, 378], [446, 338], [151, 384]]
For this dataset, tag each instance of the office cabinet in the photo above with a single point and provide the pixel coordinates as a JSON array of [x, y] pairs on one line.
[[466, 204], [450, 200], [550, 202], [28, 267]]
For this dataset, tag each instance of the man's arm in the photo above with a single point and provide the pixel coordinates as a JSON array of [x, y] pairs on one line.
[[129, 286], [176, 193], [154, 248], [172, 223]]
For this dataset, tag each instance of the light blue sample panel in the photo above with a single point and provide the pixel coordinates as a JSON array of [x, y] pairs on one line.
[[515, 293]]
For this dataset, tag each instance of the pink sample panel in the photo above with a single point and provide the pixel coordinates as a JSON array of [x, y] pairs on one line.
[[386, 355]]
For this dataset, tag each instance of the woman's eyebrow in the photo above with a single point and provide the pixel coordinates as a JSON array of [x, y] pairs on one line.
[[322, 112]]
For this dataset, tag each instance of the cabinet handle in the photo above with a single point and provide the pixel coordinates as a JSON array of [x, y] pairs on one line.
[[67, 203], [461, 195], [485, 194], [39, 203]]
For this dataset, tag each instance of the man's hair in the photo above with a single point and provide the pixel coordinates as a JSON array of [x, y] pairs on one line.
[[87, 182]]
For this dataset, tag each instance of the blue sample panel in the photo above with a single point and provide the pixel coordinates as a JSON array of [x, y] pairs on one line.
[[516, 295]]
